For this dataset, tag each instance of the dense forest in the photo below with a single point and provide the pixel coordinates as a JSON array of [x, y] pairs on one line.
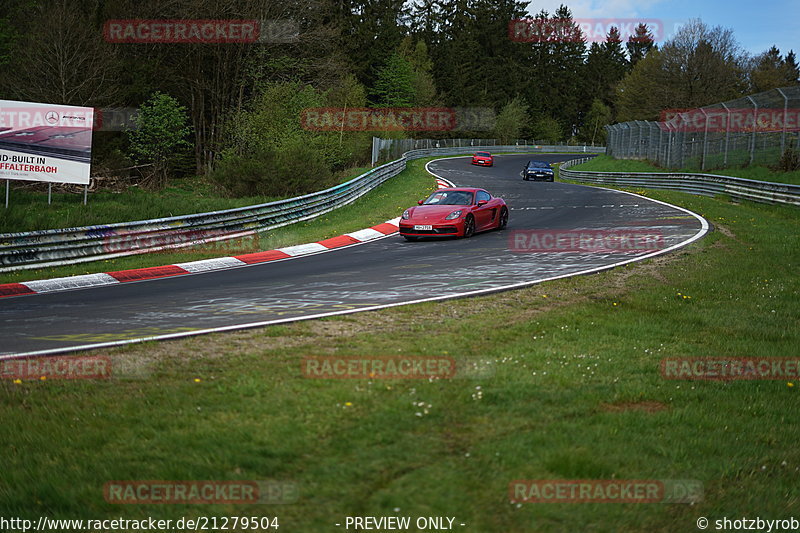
[[231, 111]]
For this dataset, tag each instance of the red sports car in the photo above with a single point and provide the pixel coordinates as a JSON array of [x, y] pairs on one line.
[[454, 212], [483, 159]]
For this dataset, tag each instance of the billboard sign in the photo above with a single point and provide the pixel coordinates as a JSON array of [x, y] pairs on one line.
[[45, 142]]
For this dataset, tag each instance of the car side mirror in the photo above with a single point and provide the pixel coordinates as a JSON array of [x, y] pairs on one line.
[[483, 202], [419, 202]]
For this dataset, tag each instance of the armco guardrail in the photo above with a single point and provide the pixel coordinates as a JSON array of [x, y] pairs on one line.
[[702, 184], [46, 248]]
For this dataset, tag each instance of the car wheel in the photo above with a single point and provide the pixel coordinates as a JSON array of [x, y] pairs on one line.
[[469, 226], [503, 222], [409, 238]]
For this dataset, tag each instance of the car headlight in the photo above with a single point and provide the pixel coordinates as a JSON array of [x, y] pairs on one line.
[[405, 215], [453, 215]]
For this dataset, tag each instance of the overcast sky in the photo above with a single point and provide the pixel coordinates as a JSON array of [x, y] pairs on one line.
[[757, 24]]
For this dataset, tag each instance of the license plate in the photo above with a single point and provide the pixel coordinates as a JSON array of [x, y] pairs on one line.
[[423, 227]]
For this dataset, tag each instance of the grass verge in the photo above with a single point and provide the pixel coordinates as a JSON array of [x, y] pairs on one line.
[[577, 395], [605, 163], [28, 211], [380, 205]]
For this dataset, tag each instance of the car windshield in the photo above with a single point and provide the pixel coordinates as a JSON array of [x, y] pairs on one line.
[[449, 198], [538, 164], [484, 154]]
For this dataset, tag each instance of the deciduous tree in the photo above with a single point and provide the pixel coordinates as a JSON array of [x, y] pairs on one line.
[[511, 120], [162, 127]]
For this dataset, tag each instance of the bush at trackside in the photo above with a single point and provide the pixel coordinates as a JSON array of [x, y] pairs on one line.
[[269, 152], [294, 170]]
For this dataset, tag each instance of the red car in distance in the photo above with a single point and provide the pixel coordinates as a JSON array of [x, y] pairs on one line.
[[454, 212], [483, 159]]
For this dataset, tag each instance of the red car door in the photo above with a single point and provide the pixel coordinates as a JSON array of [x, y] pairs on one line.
[[484, 214]]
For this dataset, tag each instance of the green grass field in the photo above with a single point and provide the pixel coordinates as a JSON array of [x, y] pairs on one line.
[[577, 394], [29, 211], [605, 163]]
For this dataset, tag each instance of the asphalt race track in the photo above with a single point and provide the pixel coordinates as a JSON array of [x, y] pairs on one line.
[[388, 271]]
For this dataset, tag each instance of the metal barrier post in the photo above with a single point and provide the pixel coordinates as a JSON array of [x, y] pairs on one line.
[[753, 138], [727, 134], [639, 140], [785, 117], [682, 151], [669, 143], [625, 147], [8, 185], [705, 140], [658, 150]]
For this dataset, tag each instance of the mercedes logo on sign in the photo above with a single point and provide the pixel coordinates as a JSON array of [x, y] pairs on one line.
[[51, 117]]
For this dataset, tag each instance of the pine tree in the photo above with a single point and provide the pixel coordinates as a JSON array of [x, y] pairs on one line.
[[769, 71], [416, 54], [639, 44], [612, 47], [554, 70], [791, 69], [605, 66], [476, 62], [394, 84], [370, 32]]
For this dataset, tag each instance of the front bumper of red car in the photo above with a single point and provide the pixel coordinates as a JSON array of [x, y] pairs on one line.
[[447, 228]]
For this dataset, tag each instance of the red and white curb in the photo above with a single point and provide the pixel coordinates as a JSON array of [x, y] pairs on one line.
[[206, 265]]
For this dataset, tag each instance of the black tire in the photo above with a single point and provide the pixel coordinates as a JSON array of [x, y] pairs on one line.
[[503, 222], [410, 238], [469, 226]]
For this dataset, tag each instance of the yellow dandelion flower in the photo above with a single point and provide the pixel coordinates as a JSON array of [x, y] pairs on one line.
[[43, 378], [790, 384], [348, 404], [197, 380], [17, 381]]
